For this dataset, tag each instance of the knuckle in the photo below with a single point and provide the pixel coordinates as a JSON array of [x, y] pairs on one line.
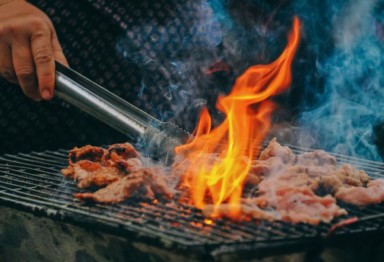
[[38, 34], [38, 28], [37, 23], [12, 28], [43, 57], [7, 30], [24, 72]]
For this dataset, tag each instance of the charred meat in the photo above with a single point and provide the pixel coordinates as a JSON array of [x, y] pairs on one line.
[[296, 188], [143, 183], [363, 196], [90, 165]]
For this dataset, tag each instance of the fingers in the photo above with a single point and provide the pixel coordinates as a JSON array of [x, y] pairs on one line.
[[43, 58], [28, 49], [24, 68], [27, 55], [6, 65]]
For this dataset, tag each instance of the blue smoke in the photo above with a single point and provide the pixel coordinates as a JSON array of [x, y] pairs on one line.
[[337, 94], [338, 88], [352, 99]]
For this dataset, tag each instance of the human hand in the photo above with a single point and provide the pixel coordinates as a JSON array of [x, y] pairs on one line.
[[28, 48]]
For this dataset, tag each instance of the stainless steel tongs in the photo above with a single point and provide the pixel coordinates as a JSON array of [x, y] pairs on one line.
[[157, 138]]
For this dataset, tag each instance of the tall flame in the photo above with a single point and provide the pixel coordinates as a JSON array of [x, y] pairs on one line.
[[218, 158]]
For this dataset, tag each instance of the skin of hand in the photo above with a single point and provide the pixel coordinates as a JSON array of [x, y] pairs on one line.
[[28, 48]]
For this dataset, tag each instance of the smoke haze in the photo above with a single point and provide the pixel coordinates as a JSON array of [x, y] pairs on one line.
[[336, 99], [352, 99]]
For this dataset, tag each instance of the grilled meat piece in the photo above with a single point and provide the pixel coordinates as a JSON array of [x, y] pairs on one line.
[[287, 183], [118, 152], [90, 165], [89, 173], [301, 205], [246, 212], [119, 169], [363, 196], [297, 188], [261, 168], [291, 195], [344, 176], [274, 149], [293, 176], [289, 204], [143, 183], [319, 169], [315, 158], [91, 153]]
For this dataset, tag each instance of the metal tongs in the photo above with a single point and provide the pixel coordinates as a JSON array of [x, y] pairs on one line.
[[157, 138]]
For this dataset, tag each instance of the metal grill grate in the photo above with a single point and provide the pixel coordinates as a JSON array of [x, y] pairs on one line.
[[33, 182]]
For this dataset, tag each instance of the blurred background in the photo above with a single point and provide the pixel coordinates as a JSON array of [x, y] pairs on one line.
[[171, 58]]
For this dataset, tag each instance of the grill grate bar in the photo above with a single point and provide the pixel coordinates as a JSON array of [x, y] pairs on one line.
[[36, 161], [152, 216], [100, 213], [31, 190], [375, 166], [36, 190], [43, 176], [114, 222], [209, 230], [23, 164], [52, 161], [34, 181]]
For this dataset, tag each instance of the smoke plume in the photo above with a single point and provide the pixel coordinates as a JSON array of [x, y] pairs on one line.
[[337, 97]]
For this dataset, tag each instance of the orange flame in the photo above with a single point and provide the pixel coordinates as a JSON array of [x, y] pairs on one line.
[[218, 158]]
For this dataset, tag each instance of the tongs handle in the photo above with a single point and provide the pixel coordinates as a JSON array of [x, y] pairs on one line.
[[102, 104]]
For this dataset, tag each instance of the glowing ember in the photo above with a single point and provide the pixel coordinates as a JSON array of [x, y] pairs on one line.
[[208, 221], [218, 66], [218, 159]]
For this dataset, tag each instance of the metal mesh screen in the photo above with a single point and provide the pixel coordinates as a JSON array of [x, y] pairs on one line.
[[33, 182]]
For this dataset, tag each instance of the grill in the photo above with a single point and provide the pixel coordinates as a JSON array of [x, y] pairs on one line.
[[32, 182]]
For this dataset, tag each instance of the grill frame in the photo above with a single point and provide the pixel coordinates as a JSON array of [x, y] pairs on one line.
[[27, 178]]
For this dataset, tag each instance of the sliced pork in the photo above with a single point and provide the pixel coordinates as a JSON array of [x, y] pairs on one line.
[[363, 196], [96, 166], [302, 205], [143, 183], [282, 185], [88, 173]]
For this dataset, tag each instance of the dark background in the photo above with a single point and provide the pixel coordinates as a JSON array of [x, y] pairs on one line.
[[156, 56]]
